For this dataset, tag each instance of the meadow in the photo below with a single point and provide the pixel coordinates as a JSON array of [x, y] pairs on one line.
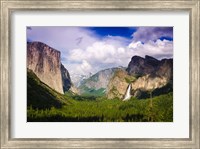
[[100, 109]]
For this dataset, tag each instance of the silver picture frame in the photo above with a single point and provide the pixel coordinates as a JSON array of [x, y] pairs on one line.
[[10, 6]]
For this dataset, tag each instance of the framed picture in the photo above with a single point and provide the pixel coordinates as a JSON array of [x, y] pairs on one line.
[[100, 74]]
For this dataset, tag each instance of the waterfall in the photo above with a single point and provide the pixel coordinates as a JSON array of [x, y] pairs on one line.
[[128, 93]]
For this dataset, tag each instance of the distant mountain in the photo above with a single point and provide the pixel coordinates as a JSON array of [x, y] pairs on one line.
[[97, 84], [77, 79], [45, 62]]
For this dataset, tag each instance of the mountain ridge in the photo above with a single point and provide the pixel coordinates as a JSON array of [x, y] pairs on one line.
[[98, 81], [144, 75]]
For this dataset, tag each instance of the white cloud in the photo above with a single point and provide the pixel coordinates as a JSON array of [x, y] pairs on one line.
[[121, 50], [135, 44], [101, 55], [63, 38], [85, 67], [158, 49]]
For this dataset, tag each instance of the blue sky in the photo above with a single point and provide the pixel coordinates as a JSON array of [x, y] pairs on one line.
[[114, 31], [90, 49]]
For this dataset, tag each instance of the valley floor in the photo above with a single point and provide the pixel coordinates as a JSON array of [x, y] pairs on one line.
[[100, 109]]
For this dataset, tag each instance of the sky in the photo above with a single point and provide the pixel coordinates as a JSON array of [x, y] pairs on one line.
[[87, 50]]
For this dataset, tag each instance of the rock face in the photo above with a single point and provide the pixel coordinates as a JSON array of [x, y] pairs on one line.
[[139, 66], [74, 90], [45, 62], [165, 69], [149, 83], [118, 84], [66, 81], [152, 73]]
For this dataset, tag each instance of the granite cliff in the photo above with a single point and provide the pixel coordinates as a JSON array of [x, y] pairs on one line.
[[152, 74], [118, 84], [139, 66], [66, 80], [145, 75], [45, 62]]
